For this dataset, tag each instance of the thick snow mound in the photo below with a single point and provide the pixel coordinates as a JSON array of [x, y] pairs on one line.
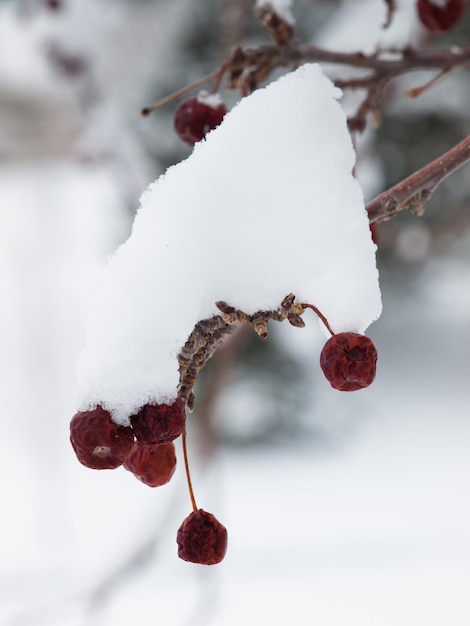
[[266, 205]]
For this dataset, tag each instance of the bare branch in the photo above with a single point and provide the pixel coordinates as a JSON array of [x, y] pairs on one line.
[[413, 192], [182, 91]]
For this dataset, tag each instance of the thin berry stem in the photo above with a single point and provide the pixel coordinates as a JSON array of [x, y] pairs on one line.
[[180, 92], [188, 474], [306, 305], [218, 78], [418, 91]]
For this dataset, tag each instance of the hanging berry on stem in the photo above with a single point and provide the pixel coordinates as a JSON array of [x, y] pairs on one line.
[[201, 538], [198, 115], [195, 117], [348, 360]]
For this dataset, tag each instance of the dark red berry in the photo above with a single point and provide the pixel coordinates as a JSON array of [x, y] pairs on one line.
[[374, 233], [202, 539], [98, 442], [195, 117], [153, 464], [159, 423], [348, 361], [440, 17]]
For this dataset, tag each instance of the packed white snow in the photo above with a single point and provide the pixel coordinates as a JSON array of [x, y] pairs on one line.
[[265, 206], [360, 26]]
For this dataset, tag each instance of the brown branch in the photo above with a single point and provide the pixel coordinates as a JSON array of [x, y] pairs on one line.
[[408, 59], [247, 68], [267, 58], [413, 192]]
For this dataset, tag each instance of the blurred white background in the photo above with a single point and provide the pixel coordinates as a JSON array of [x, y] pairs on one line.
[[341, 508]]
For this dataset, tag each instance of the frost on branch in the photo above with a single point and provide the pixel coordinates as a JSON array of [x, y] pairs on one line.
[[265, 206]]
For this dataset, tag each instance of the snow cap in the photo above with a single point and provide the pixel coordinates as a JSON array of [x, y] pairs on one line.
[[265, 206]]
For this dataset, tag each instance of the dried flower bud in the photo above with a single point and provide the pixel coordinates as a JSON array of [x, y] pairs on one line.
[[260, 326], [295, 320]]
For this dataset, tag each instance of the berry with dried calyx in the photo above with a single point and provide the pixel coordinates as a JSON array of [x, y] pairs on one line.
[[98, 442], [202, 539], [159, 423], [195, 117], [153, 464], [440, 16], [348, 361]]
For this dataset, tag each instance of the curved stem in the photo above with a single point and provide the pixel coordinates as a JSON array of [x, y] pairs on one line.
[[218, 78], [188, 475], [306, 305]]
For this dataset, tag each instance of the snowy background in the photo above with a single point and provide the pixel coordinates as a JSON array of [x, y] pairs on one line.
[[341, 508]]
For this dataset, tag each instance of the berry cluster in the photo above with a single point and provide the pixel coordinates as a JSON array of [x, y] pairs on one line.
[[146, 447]]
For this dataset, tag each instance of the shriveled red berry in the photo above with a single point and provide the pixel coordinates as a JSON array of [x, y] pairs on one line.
[[153, 464], [159, 423], [202, 539], [348, 361], [195, 117], [442, 16], [98, 442]]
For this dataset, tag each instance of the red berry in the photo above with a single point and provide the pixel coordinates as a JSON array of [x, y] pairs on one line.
[[195, 117], [348, 361], [159, 423], [202, 539], [374, 233], [440, 17], [153, 464], [98, 442]]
